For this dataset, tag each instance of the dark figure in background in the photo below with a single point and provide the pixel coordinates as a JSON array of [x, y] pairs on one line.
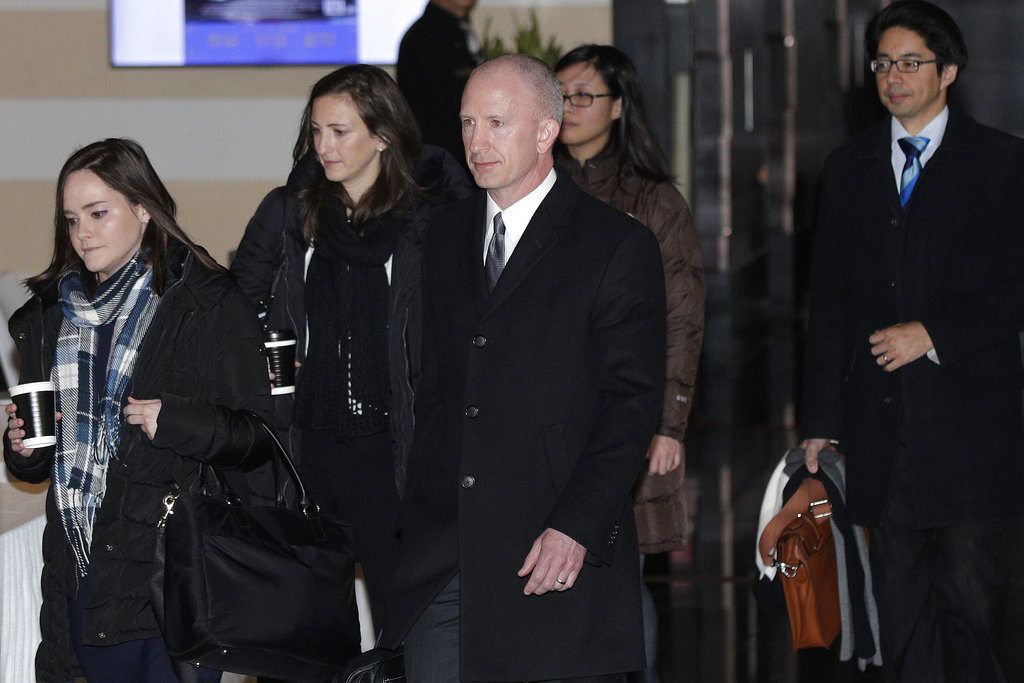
[[335, 256], [913, 361], [543, 367], [436, 56], [607, 148], [154, 353]]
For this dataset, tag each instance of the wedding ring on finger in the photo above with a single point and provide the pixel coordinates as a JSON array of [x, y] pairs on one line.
[[560, 582]]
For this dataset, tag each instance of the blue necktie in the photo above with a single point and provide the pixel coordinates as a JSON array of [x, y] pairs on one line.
[[912, 147], [495, 252]]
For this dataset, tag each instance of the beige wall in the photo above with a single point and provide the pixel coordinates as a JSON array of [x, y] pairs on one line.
[[219, 137]]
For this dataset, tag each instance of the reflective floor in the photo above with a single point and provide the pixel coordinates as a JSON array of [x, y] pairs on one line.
[[712, 629]]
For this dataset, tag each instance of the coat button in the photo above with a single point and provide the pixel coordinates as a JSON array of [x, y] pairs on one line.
[[887, 400], [102, 635], [479, 341], [894, 222], [468, 482], [472, 411], [109, 547]]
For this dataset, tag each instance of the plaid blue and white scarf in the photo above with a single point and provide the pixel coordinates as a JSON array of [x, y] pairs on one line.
[[90, 427]]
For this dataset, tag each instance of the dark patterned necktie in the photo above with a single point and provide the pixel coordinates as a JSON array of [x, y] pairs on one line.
[[495, 252], [912, 147]]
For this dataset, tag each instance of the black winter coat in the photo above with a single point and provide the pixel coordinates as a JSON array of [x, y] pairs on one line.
[[270, 267], [203, 358], [952, 259], [536, 408]]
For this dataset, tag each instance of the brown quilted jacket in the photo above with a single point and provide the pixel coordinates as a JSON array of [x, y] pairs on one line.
[[660, 513]]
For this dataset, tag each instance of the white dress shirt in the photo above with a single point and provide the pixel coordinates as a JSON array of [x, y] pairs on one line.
[[517, 216]]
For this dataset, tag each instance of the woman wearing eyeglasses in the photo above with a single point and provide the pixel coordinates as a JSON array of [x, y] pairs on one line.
[[607, 147]]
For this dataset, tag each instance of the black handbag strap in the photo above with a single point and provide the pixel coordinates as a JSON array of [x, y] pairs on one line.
[[309, 508]]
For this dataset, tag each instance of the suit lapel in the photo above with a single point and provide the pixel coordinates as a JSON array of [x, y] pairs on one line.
[[471, 239], [876, 149], [541, 234]]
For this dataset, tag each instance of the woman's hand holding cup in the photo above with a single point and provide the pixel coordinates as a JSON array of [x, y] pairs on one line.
[[15, 431], [272, 376], [281, 362]]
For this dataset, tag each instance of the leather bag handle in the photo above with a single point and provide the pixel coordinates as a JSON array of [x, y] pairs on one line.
[[809, 498], [310, 509]]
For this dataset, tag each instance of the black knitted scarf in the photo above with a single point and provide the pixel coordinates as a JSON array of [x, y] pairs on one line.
[[345, 383]]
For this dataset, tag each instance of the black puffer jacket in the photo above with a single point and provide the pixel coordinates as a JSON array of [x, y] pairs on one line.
[[270, 268], [202, 357]]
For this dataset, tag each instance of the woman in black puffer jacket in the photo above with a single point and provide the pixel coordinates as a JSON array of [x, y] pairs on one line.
[[127, 283], [335, 257]]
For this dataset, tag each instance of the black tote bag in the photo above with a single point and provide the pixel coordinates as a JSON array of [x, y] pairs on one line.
[[256, 590]]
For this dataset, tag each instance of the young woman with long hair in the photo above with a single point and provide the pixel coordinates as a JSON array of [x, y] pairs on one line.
[[156, 357], [334, 256], [607, 147]]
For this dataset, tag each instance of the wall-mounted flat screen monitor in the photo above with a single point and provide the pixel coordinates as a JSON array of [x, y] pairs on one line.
[[258, 32]]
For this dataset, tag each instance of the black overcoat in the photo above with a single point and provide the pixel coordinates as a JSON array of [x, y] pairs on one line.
[[537, 404], [953, 260]]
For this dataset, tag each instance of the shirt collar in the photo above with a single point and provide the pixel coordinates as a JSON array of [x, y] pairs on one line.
[[517, 216], [934, 131]]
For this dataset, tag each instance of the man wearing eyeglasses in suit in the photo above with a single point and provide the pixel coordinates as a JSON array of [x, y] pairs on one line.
[[913, 366]]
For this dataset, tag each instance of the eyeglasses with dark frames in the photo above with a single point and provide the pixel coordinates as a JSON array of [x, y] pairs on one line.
[[582, 100], [904, 66]]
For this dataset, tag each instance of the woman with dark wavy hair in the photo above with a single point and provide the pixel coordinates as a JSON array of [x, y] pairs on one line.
[[156, 358], [334, 256], [606, 146]]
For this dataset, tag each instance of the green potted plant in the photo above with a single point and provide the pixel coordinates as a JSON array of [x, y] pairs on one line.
[[526, 40]]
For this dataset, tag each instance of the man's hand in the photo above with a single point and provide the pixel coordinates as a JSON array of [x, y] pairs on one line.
[[812, 447], [553, 563], [664, 455], [900, 345], [144, 413]]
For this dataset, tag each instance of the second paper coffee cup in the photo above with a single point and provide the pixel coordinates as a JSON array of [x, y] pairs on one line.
[[280, 345], [36, 408]]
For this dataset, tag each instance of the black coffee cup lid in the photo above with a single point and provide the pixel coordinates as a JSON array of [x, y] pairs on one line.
[[280, 335]]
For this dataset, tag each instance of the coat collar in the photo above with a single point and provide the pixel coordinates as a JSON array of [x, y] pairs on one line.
[[876, 143], [606, 166], [875, 146]]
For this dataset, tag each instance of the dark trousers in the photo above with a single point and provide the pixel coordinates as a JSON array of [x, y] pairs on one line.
[[938, 592], [649, 611], [432, 645], [136, 661], [354, 481]]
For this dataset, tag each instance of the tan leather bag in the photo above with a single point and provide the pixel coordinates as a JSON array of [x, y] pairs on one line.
[[805, 554]]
